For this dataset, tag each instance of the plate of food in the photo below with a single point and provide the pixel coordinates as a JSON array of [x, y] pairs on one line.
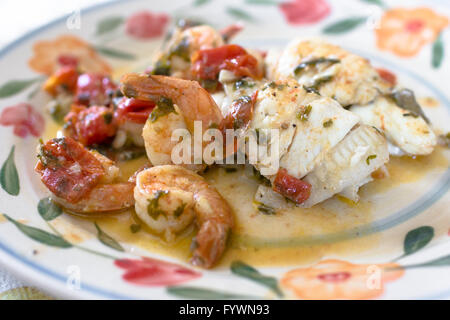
[[271, 150]]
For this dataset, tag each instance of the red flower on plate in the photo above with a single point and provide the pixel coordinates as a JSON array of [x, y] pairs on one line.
[[305, 11], [146, 25], [152, 272], [24, 118]]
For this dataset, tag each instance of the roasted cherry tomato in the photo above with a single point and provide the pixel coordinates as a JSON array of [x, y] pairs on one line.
[[67, 169], [240, 113], [206, 64], [65, 78], [134, 110], [292, 188], [94, 89], [93, 125]]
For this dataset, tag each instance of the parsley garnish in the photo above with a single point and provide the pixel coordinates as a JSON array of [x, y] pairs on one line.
[[372, 156], [153, 204], [303, 114], [328, 123], [302, 66], [163, 107]]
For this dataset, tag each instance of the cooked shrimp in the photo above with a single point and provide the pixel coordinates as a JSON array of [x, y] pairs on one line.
[[174, 59], [169, 198], [179, 103], [194, 102], [102, 199], [80, 180]]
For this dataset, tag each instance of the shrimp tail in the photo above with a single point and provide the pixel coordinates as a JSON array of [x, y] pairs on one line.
[[209, 244]]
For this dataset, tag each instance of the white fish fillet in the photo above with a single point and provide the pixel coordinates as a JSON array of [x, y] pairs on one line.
[[354, 80], [412, 134], [349, 164], [313, 139]]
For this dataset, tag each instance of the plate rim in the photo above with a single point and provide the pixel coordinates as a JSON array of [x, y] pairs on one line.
[[48, 280]]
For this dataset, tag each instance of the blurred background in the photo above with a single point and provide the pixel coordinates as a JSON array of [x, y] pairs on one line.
[[20, 16]]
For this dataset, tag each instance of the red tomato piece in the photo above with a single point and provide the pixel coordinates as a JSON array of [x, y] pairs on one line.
[[134, 110], [387, 76], [67, 169], [94, 89], [93, 125], [292, 188], [206, 64], [66, 77], [241, 112]]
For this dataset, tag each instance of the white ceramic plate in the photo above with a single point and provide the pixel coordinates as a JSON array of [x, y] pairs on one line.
[[408, 222]]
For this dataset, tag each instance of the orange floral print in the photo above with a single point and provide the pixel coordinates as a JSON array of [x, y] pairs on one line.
[[336, 279], [405, 31], [50, 55]]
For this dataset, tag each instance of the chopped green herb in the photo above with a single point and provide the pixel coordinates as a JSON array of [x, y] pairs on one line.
[[163, 107], [178, 211], [406, 99], [410, 114], [230, 170], [162, 67], [153, 204], [46, 157], [181, 50], [274, 85], [264, 209], [302, 66], [303, 114], [311, 90], [372, 156], [108, 117], [56, 111], [243, 84], [134, 228], [209, 84], [328, 123], [314, 88]]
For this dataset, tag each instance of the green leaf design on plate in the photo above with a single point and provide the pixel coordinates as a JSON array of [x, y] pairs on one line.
[[376, 2], [239, 14], [417, 239], [9, 178], [114, 53], [439, 262], [263, 2], [48, 209], [344, 25], [40, 235], [198, 3], [244, 270], [205, 294], [107, 240], [109, 24], [437, 52], [13, 87]]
